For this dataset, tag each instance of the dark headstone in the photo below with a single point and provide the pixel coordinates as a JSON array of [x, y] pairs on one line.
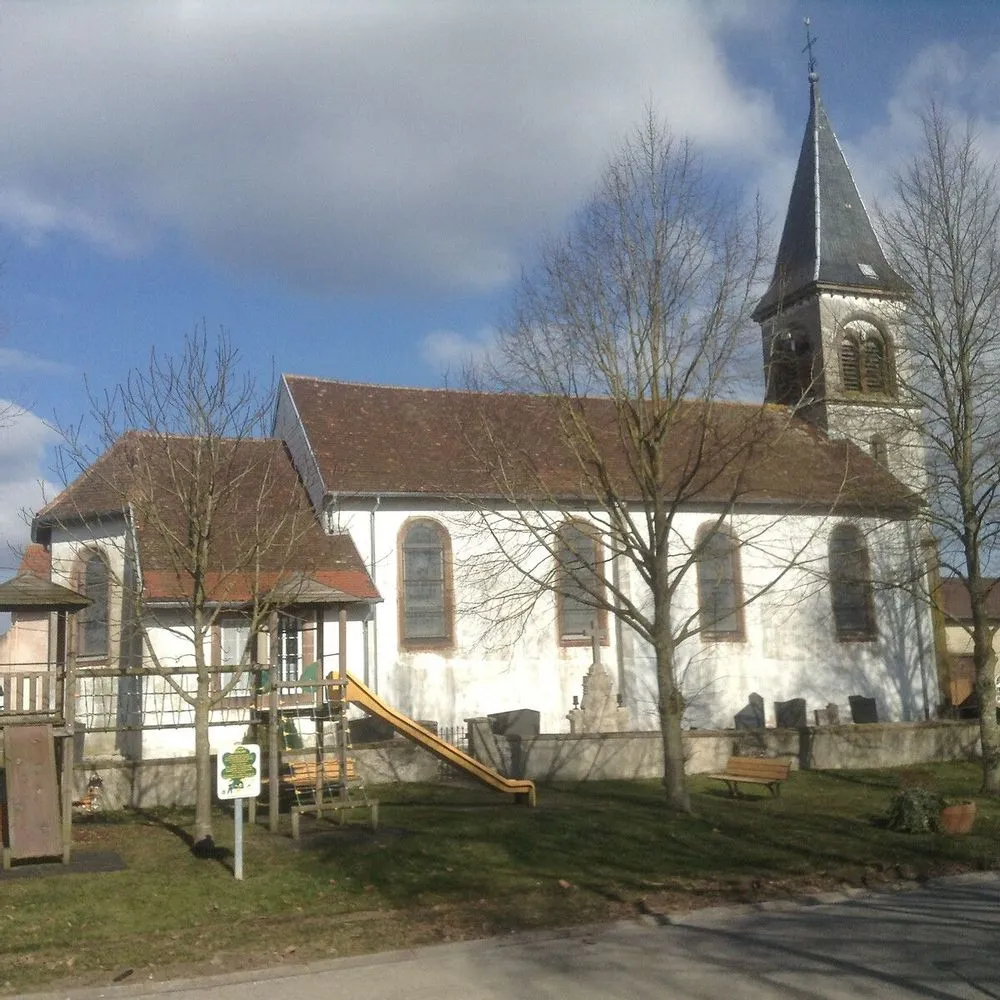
[[829, 716], [863, 710], [519, 722], [370, 730], [751, 716], [790, 714]]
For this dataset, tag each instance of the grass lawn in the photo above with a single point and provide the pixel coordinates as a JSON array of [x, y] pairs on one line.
[[454, 862]]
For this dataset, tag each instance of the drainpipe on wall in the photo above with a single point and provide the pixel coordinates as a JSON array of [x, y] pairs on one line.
[[374, 610], [619, 654]]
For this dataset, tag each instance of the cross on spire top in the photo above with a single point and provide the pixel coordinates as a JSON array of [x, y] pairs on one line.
[[808, 47]]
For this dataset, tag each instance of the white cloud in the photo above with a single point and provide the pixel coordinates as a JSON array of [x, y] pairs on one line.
[[454, 353], [23, 487], [13, 360], [356, 147]]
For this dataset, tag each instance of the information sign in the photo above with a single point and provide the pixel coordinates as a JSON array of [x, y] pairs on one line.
[[239, 772]]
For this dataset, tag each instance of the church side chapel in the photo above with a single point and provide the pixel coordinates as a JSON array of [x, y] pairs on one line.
[[797, 596]]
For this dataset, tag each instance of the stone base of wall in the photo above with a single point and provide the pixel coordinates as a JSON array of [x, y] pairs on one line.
[[584, 757], [640, 755]]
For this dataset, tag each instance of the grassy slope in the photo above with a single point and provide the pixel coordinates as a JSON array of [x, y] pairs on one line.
[[455, 862]]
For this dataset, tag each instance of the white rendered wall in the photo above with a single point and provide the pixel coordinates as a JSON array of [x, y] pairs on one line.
[[790, 648]]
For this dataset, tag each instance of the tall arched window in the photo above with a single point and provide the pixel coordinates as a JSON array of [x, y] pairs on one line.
[[851, 585], [92, 621], [720, 596], [865, 363], [425, 598], [580, 584]]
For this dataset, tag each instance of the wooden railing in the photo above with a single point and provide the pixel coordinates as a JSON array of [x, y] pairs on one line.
[[33, 692]]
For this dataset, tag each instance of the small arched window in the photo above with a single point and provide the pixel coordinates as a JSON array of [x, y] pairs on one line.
[[865, 364], [851, 585], [791, 368], [92, 621], [720, 597], [425, 598], [580, 584]]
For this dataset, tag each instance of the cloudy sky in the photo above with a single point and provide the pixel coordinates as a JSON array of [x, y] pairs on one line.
[[350, 188]]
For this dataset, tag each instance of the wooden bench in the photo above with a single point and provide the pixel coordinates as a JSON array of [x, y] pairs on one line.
[[768, 771], [306, 776]]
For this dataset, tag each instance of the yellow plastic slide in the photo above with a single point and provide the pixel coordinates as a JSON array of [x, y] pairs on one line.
[[362, 696]]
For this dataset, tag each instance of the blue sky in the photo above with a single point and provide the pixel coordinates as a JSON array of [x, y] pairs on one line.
[[350, 188]]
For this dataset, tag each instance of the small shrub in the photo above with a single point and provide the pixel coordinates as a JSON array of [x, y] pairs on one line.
[[915, 810]]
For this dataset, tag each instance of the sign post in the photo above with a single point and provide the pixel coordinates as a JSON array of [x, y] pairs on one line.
[[239, 779]]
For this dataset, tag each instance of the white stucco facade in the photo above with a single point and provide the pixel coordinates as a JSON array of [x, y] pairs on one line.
[[789, 647]]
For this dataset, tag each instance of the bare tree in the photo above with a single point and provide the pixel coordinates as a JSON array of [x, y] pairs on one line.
[[944, 236], [211, 518], [629, 333]]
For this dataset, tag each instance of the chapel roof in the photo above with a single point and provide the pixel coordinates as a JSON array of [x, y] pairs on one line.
[[828, 239], [265, 533], [382, 440]]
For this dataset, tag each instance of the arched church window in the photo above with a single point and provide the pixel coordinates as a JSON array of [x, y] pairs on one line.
[[580, 583], [92, 621], [865, 363], [425, 593], [851, 585], [720, 597]]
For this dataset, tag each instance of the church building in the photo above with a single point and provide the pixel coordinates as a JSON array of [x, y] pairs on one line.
[[804, 594]]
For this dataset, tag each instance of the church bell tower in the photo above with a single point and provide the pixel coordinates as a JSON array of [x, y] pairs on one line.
[[831, 318]]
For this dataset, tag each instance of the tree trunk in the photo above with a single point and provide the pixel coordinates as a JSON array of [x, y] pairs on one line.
[[203, 761], [989, 729], [671, 708]]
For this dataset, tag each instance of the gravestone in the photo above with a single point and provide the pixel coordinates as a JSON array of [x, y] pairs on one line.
[[751, 716], [790, 714], [863, 710], [519, 722], [829, 716]]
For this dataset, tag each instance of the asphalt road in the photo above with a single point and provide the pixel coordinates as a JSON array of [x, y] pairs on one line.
[[940, 941]]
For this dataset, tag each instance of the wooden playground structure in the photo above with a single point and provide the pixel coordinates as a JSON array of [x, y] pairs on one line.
[[36, 731]]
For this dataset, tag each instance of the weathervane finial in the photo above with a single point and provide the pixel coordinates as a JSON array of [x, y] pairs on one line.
[[808, 47]]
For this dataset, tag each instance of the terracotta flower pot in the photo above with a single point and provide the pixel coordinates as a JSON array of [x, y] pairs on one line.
[[958, 818]]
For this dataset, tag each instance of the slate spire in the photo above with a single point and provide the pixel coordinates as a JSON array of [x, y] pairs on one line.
[[828, 240]]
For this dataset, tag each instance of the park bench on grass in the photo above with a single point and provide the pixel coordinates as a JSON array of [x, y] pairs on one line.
[[754, 771], [307, 778]]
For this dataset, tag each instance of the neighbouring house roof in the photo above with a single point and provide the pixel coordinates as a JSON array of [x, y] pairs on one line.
[[28, 592], [956, 603], [264, 535], [381, 440], [828, 238]]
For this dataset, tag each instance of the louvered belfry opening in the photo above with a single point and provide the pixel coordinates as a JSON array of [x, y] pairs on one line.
[[864, 361]]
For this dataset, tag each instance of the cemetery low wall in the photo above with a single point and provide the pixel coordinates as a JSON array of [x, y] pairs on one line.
[[579, 757], [604, 756]]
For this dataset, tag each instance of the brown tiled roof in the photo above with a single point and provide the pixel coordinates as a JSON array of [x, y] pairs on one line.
[[371, 439], [266, 507], [956, 603]]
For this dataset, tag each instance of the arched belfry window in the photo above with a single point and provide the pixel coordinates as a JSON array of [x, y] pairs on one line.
[[865, 360], [425, 590], [851, 585], [580, 584], [720, 592], [92, 621], [790, 372]]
